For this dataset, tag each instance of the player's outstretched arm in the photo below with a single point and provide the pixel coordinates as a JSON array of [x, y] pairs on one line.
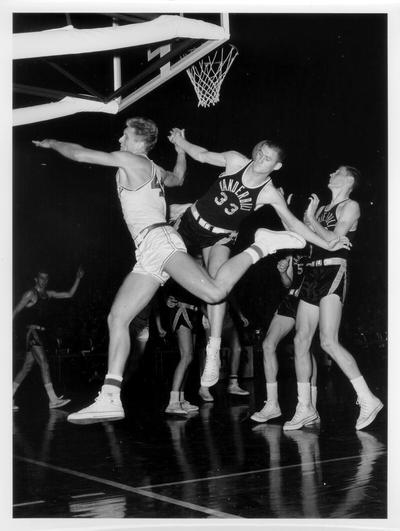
[[82, 154], [294, 224], [176, 177], [68, 294], [198, 153]]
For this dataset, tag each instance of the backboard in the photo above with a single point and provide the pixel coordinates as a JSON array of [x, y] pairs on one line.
[[132, 54]]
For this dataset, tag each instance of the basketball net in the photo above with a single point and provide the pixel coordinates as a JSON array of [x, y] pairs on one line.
[[208, 74]]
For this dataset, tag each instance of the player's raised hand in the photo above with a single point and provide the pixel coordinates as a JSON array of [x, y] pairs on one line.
[[175, 135], [46, 143], [312, 206], [342, 242]]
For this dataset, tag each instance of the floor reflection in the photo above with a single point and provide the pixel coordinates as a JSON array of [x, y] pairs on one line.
[[212, 462]]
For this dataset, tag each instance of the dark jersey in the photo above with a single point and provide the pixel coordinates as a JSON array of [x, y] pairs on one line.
[[298, 264], [228, 201], [328, 219], [37, 314]]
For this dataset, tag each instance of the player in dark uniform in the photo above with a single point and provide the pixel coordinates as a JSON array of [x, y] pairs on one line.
[[211, 224], [184, 312], [322, 296], [35, 304], [291, 270], [139, 331]]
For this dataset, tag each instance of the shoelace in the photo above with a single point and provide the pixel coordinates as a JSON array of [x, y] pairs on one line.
[[363, 406], [268, 405], [102, 396], [99, 398], [299, 411]]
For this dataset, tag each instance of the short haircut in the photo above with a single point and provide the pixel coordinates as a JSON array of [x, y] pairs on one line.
[[271, 144], [355, 173], [145, 128], [41, 271]]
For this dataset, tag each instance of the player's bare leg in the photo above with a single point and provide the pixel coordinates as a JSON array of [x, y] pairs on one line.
[[306, 324], [331, 312]]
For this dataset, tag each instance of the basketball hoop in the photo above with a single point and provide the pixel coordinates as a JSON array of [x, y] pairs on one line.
[[208, 74]]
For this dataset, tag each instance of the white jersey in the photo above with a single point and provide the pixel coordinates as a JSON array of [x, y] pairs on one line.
[[145, 205]]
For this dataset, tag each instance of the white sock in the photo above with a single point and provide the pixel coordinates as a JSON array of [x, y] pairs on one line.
[[314, 392], [15, 387], [112, 384], [361, 387], [113, 377], [173, 396], [304, 393], [272, 392], [111, 389], [255, 253], [214, 343]]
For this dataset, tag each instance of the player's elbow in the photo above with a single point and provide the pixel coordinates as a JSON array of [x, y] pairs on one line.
[[181, 179], [178, 179], [174, 180]]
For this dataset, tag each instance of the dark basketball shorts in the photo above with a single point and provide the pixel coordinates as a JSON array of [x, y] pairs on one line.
[[140, 324], [288, 306], [197, 238], [180, 316], [35, 337], [321, 281], [181, 313]]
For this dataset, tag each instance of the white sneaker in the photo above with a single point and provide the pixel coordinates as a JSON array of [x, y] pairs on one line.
[[210, 374], [187, 406], [369, 408], [15, 407], [317, 420], [60, 402], [234, 389], [269, 411], [303, 415], [205, 394], [175, 408], [270, 241], [105, 406]]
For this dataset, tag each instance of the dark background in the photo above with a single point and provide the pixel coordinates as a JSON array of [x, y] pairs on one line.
[[317, 83]]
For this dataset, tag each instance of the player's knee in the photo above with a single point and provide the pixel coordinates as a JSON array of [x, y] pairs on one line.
[[214, 295], [268, 347], [302, 342], [328, 343], [118, 317], [110, 319], [114, 319], [186, 356]]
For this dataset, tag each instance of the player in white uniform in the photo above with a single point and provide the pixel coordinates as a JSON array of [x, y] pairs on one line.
[[160, 250]]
